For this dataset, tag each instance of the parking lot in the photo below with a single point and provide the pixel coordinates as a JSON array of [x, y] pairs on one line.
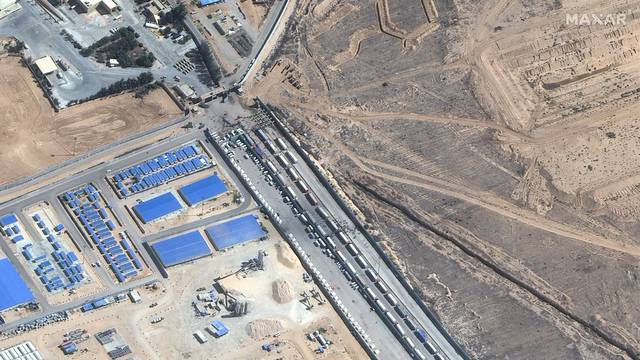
[[45, 36], [300, 204]]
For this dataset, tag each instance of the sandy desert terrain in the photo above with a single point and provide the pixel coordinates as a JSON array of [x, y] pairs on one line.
[[34, 137], [492, 147]]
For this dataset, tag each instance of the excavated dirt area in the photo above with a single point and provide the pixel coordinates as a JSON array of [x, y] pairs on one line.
[[494, 145]]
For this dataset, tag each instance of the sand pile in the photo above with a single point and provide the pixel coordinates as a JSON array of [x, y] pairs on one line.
[[262, 328], [285, 255], [282, 291]]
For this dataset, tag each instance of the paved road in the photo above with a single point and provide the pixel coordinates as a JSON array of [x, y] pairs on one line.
[[274, 18], [360, 309], [85, 77], [373, 260]]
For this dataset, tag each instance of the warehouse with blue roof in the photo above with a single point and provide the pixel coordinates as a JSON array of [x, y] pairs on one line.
[[233, 232], [182, 248], [157, 207], [13, 290], [202, 190]]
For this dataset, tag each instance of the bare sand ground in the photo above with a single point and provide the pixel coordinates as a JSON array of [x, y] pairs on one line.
[[34, 137]]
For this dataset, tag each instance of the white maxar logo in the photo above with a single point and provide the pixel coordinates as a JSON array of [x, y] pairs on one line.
[[596, 19]]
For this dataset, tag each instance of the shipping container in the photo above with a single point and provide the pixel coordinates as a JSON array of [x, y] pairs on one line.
[[382, 287], [343, 237], [341, 256], [352, 250], [390, 317], [380, 306], [313, 200], [430, 348], [330, 242], [293, 174], [281, 144], [391, 299], [370, 294], [419, 355], [302, 186], [332, 225], [361, 262], [323, 213], [371, 275], [399, 329], [291, 157], [409, 342], [350, 268], [283, 161]]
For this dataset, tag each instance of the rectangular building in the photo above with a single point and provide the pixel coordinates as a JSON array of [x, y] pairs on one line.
[[157, 207]]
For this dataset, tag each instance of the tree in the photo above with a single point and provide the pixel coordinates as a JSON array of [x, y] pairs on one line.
[[175, 15], [16, 47], [146, 60], [122, 85], [210, 63]]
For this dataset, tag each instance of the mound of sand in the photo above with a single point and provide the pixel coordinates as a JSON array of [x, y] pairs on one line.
[[282, 291], [259, 329], [285, 255]]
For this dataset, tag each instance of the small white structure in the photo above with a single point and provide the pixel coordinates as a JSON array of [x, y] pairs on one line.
[[109, 5], [46, 65], [8, 6], [135, 296], [200, 337]]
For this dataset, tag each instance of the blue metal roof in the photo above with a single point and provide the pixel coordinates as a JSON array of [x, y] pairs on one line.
[[236, 231], [209, 2], [202, 190], [157, 207], [221, 329], [8, 220], [181, 248], [13, 290]]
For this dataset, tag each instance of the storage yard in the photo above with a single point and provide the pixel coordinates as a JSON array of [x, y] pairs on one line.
[[175, 188], [281, 326], [34, 137], [249, 290], [88, 234]]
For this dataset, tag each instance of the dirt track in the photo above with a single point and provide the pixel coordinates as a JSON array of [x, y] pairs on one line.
[[34, 137], [504, 126]]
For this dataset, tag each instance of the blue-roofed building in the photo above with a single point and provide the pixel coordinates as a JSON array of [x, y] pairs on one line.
[[236, 231], [13, 290], [181, 248], [210, 2], [202, 190], [8, 219], [220, 328], [157, 207]]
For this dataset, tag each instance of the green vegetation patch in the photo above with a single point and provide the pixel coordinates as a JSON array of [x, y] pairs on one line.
[[123, 46]]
